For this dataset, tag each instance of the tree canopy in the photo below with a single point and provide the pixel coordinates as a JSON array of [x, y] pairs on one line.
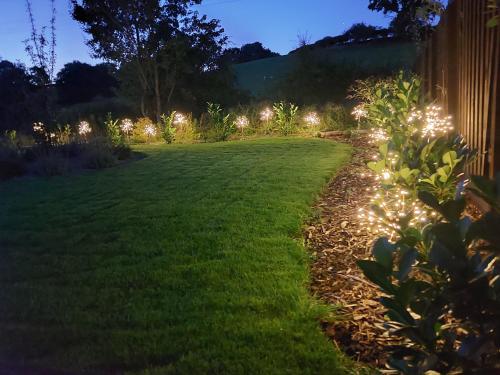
[[158, 43], [248, 52], [79, 82], [413, 18]]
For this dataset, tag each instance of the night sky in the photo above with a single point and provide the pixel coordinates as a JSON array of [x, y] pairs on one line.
[[275, 23]]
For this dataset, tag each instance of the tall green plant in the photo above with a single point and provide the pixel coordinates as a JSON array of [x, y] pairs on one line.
[[168, 129], [418, 151], [113, 130], [285, 117], [222, 125]]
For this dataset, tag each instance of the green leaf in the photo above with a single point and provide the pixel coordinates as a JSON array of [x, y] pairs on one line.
[[406, 263], [383, 251], [377, 166], [429, 199], [376, 274], [384, 149], [397, 312]]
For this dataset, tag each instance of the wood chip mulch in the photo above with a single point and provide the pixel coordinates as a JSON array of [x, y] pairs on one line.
[[337, 241]]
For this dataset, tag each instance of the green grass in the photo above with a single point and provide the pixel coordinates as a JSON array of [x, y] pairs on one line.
[[260, 77], [189, 261]]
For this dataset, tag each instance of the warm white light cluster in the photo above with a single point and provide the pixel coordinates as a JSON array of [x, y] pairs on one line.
[[378, 135], [39, 127], [179, 119], [126, 125], [396, 205], [359, 112], [266, 115], [433, 122], [312, 119], [150, 130], [84, 128], [241, 122]]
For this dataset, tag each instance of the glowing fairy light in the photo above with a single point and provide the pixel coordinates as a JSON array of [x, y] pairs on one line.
[[241, 122], [150, 130], [39, 127], [266, 115], [378, 135], [126, 126], [312, 119], [179, 119], [84, 128], [432, 123], [359, 112]]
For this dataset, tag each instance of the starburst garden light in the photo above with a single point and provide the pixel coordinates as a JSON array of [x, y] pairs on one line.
[[312, 119], [179, 119], [150, 131], [241, 122], [432, 122], [84, 128], [39, 127], [266, 115], [359, 112], [127, 126]]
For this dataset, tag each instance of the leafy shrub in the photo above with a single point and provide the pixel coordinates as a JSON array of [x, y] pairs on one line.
[[411, 157], [443, 288], [285, 117], [221, 124], [437, 267], [11, 163], [98, 155], [186, 131], [113, 130], [95, 111], [168, 129], [51, 164], [122, 151], [140, 133], [336, 117]]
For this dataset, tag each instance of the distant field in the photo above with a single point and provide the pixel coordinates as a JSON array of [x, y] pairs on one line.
[[260, 77]]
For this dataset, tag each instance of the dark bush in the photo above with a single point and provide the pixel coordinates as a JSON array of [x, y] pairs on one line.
[[122, 151], [11, 168], [98, 155], [51, 164]]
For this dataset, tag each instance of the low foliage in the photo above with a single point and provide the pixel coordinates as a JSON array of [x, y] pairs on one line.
[[168, 129], [220, 123], [113, 130], [99, 154], [139, 134], [436, 266], [285, 117]]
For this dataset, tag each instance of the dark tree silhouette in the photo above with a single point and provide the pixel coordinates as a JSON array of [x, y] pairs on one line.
[[413, 18], [156, 40], [79, 82]]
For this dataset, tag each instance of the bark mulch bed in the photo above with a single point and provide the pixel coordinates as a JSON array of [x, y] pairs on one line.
[[337, 241]]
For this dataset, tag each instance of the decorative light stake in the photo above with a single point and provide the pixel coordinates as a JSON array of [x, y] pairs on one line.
[[84, 128], [312, 119], [150, 131], [241, 123], [433, 124], [266, 115], [179, 119], [127, 126], [359, 112]]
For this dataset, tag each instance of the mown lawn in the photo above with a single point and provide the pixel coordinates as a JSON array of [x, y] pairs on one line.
[[188, 261]]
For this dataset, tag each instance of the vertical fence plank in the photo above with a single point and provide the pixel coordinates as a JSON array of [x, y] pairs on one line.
[[460, 67]]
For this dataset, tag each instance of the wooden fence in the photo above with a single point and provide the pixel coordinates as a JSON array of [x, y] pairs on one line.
[[460, 65]]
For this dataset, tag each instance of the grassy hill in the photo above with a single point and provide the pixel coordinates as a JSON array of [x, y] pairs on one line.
[[261, 77]]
